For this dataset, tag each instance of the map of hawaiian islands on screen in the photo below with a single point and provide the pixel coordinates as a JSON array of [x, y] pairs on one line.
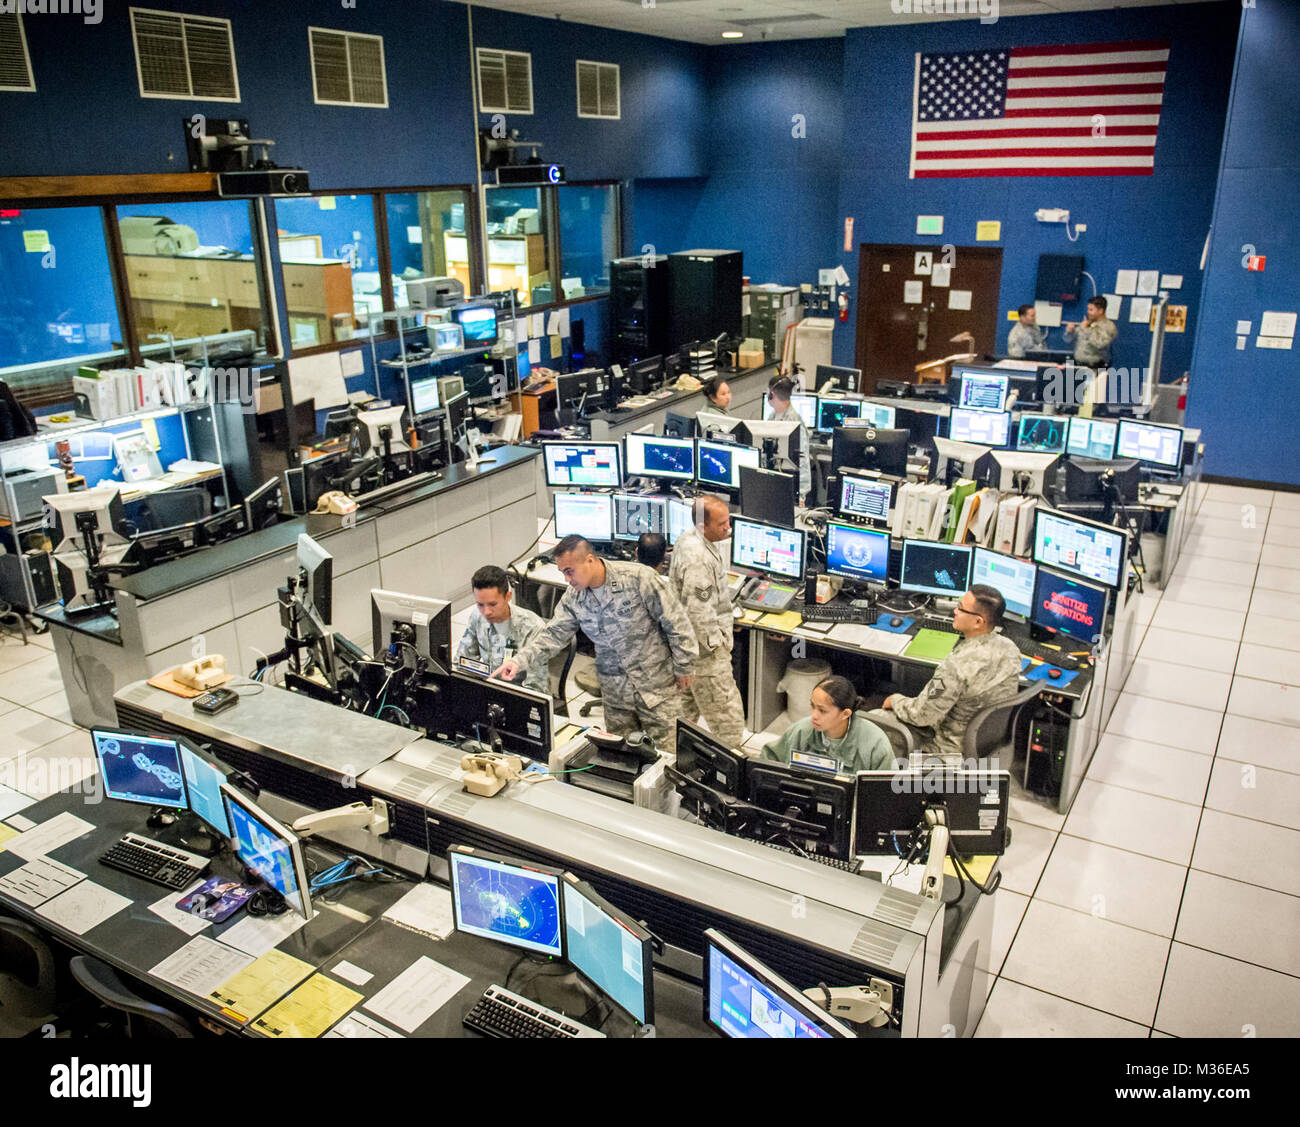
[[514, 907], [264, 853]]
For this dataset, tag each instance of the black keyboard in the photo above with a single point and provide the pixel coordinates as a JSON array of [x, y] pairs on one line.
[[852, 865], [837, 613], [501, 1014], [153, 861], [942, 623]]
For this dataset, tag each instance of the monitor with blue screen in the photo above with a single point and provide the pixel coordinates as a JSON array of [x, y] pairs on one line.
[[1069, 606], [591, 465], [271, 850], [609, 948], [1012, 578], [717, 464], [857, 553], [203, 782], [671, 458], [509, 901], [1091, 438], [479, 323], [1042, 434], [141, 769]]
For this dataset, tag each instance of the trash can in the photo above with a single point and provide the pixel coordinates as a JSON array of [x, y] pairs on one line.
[[801, 677]]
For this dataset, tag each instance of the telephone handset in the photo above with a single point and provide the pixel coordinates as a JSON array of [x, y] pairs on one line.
[[486, 773], [336, 502], [203, 674]]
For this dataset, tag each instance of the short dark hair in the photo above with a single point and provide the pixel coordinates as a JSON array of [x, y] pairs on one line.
[[1097, 300], [1024, 309], [783, 386], [651, 548], [574, 543], [712, 386], [991, 603], [489, 575]]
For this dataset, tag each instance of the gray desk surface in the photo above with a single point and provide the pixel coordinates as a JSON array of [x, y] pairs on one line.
[[636, 416]]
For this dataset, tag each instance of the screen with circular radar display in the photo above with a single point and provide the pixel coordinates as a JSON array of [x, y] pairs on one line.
[[510, 903]]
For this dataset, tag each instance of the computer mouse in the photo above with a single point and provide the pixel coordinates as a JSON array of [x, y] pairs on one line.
[[895, 621], [1054, 674]]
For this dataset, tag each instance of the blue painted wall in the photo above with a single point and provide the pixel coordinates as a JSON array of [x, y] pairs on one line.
[[1244, 400], [1141, 222]]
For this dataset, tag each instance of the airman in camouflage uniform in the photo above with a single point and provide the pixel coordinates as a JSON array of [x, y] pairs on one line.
[[1092, 337], [699, 579]]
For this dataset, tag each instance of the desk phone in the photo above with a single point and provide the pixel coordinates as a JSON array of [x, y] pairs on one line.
[[764, 595]]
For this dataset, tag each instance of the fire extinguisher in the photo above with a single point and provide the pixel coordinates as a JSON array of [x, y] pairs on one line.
[[844, 306]]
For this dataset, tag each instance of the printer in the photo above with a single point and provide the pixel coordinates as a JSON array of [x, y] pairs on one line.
[[22, 493], [434, 293]]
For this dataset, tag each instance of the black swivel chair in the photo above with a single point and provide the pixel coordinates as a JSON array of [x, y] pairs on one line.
[[172, 507], [991, 730], [30, 986], [142, 1018]]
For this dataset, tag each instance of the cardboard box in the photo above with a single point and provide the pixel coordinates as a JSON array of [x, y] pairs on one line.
[[750, 358]]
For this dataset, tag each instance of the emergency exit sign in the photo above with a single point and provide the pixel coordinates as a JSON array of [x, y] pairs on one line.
[[929, 224]]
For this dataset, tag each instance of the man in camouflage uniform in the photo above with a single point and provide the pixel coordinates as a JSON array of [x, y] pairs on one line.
[[645, 647], [983, 669], [1092, 337], [699, 579], [497, 629]]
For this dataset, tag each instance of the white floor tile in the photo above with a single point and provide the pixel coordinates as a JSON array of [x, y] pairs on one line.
[[55, 706], [1230, 510], [1247, 740], [1284, 501], [1242, 921], [1267, 663], [1275, 604], [1239, 494], [1218, 654], [1008, 910], [1235, 549], [1144, 605], [1216, 528], [1095, 962], [1113, 884], [1035, 809], [1273, 701], [1246, 998], [1182, 684], [1276, 555], [6, 706], [1168, 772], [1163, 722], [1282, 517], [32, 681], [1248, 851], [1261, 630], [1207, 593], [1192, 618], [65, 763], [1128, 819], [1255, 792], [1286, 535], [1023, 862], [26, 731], [1189, 567], [14, 654], [1020, 1011], [1272, 578]]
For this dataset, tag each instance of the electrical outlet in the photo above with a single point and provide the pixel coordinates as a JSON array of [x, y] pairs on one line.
[[1080, 228]]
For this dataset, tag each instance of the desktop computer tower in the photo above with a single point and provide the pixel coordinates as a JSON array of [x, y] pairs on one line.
[[27, 580], [706, 290], [1046, 739], [638, 296]]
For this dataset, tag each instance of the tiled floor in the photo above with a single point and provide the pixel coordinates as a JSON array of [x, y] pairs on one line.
[[1168, 901]]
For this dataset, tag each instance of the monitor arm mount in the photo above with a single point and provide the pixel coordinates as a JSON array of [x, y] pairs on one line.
[[936, 819], [872, 1004], [376, 818]]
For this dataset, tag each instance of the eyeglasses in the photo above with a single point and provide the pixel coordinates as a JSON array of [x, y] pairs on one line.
[[972, 613]]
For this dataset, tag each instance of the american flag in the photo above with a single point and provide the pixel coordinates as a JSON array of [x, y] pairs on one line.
[[1032, 111]]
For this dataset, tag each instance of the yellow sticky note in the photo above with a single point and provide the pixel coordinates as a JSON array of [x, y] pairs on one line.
[[6, 832], [328, 203], [988, 230], [151, 433], [316, 1005], [258, 985], [1013, 314], [36, 242]]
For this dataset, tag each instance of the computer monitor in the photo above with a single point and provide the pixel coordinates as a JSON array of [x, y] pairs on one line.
[[883, 450], [450, 386], [264, 505], [1069, 606], [318, 477], [384, 425], [1092, 438], [846, 379], [104, 505], [1012, 578], [711, 424], [316, 580], [591, 465], [1087, 479], [981, 389], [425, 396], [1086, 549], [680, 519], [866, 497], [139, 768], [705, 760], [165, 544], [671, 459], [447, 338], [203, 782], [984, 428], [931, 568], [855, 552], [768, 495], [1042, 434], [1151, 443], [269, 849], [479, 323], [831, 412], [509, 901], [645, 376], [768, 548], [718, 464], [877, 415], [961, 458], [1023, 471], [570, 387], [636, 514], [745, 999], [491, 710], [421, 624], [609, 948], [458, 409], [892, 804], [803, 402], [225, 525], [817, 805], [678, 426], [779, 441], [589, 515]]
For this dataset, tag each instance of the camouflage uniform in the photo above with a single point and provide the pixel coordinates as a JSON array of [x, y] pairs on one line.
[[1092, 342], [643, 640], [980, 672], [1024, 338], [493, 644], [699, 580], [863, 747], [790, 415]]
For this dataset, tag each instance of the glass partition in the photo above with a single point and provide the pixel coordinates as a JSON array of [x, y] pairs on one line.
[[428, 237], [588, 238]]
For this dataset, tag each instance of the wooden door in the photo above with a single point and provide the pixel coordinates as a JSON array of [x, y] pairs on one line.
[[895, 334]]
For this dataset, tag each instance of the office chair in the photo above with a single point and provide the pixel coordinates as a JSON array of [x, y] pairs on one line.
[[901, 738], [991, 730], [172, 507], [560, 665], [30, 988], [143, 1019]]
